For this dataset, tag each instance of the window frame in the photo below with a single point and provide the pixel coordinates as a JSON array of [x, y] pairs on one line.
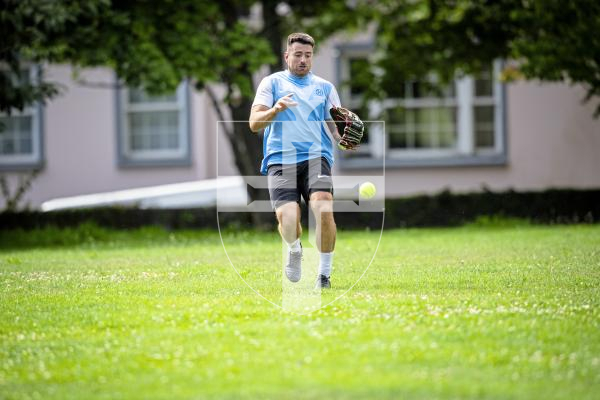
[[34, 160], [351, 102], [127, 157], [464, 154]]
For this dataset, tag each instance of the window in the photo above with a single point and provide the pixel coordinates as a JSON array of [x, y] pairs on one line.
[[21, 133], [486, 105], [461, 124], [352, 91], [422, 121], [153, 130]]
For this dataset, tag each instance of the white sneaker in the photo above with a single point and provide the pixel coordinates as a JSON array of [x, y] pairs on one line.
[[293, 269]]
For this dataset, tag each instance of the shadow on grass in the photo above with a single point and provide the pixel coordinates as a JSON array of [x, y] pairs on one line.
[[90, 234]]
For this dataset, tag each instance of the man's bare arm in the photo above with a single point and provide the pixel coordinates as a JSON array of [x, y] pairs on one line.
[[261, 115]]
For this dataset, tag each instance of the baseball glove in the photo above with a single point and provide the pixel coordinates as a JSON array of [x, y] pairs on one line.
[[349, 126]]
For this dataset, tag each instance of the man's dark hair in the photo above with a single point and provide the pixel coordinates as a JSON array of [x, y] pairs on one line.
[[300, 37]]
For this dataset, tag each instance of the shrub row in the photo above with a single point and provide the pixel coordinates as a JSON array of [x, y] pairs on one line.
[[443, 209]]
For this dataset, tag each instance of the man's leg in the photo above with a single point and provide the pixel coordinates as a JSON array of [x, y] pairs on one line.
[[285, 198], [321, 203], [288, 217], [290, 228]]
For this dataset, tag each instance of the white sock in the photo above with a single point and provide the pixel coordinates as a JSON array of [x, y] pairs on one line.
[[295, 246], [326, 261]]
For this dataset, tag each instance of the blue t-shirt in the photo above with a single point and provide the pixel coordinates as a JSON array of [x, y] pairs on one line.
[[298, 133]]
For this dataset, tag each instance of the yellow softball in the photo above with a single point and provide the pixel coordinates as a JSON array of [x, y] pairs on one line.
[[367, 190]]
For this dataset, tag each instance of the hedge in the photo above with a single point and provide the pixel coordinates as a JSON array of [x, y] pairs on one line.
[[443, 209]]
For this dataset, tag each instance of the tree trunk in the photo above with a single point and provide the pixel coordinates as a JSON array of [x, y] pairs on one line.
[[246, 146], [272, 31], [247, 149]]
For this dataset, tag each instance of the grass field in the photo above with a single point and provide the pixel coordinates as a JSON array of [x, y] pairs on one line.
[[488, 311]]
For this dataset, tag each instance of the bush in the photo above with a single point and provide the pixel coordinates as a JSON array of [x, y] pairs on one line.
[[443, 209]]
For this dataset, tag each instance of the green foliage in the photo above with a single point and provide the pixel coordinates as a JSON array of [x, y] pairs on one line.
[[468, 313], [157, 44], [550, 40], [154, 45], [90, 234], [30, 31], [86, 233], [442, 209]]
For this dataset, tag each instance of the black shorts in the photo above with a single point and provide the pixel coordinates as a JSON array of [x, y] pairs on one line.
[[287, 182]]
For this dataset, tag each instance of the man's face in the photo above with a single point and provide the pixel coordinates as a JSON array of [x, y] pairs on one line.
[[299, 58]]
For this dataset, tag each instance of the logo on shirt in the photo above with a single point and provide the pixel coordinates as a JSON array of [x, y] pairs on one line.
[[319, 92]]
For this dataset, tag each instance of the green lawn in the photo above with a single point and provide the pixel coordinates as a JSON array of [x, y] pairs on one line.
[[495, 312]]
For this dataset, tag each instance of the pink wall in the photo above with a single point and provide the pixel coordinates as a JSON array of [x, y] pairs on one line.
[[80, 143], [553, 141]]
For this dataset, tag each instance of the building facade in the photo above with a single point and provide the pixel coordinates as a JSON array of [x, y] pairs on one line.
[[477, 133]]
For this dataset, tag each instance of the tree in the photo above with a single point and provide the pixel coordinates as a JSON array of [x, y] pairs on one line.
[[155, 45], [550, 40], [149, 44]]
